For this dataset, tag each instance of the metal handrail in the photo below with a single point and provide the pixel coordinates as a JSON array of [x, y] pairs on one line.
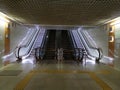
[[73, 38], [87, 52], [28, 42], [41, 48], [24, 46], [73, 42], [88, 41], [96, 48], [99, 50], [80, 50], [43, 42]]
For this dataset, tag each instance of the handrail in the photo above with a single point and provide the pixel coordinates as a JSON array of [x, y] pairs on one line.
[[18, 57], [44, 41], [87, 40], [43, 45], [85, 46], [32, 43], [98, 49], [24, 46], [29, 36], [73, 38], [41, 48], [73, 42], [38, 49], [17, 49], [76, 48], [30, 39]]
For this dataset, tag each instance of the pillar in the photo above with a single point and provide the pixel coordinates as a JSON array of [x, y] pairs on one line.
[[7, 38], [111, 43]]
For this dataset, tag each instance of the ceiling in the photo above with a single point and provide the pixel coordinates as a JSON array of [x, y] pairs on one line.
[[61, 12]]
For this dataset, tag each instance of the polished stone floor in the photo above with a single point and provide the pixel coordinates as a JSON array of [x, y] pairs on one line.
[[65, 75]]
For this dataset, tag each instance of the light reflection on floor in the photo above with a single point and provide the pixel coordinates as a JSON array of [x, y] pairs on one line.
[[104, 60], [89, 62], [30, 60], [107, 60]]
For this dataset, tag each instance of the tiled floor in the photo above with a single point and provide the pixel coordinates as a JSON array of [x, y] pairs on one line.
[[53, 75]]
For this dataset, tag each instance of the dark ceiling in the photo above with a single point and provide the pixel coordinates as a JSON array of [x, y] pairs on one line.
[[61, 12]]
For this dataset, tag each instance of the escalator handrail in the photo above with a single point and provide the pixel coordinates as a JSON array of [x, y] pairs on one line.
[[78, 49], [17, 49], [82, 45], [41, 48], [88, 41], [100, 53], [73, 40], [24, 46], [99, 50], [34, 39], [87, 51], [43, 41], [29, 40]]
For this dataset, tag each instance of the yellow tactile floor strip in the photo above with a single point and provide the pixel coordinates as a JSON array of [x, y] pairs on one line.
[[99, 81], [23, 83]]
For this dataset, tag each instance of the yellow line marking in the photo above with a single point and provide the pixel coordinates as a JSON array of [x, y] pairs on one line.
[[99, 81], [3, 67], [103, 72], [59, 71], [23, 83], [69, 71]]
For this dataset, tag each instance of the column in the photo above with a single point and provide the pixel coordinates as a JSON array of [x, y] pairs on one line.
[[7, 38], [111, 42]]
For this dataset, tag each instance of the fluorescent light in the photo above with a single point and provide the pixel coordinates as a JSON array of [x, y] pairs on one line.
[[112, 21], [2, 22], [117, 26], [115, 22], [4, 19]]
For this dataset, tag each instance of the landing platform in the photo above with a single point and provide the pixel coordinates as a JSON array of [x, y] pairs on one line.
[[59, 76]]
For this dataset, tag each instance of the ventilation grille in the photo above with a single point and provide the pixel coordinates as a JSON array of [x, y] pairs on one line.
[[61, 12]]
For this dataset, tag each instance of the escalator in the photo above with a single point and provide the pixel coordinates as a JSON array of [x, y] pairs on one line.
[[67, 46], [58, 39], [50, 45], [92, 51]]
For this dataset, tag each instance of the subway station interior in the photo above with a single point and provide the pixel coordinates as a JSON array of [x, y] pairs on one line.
[[59, 44]]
